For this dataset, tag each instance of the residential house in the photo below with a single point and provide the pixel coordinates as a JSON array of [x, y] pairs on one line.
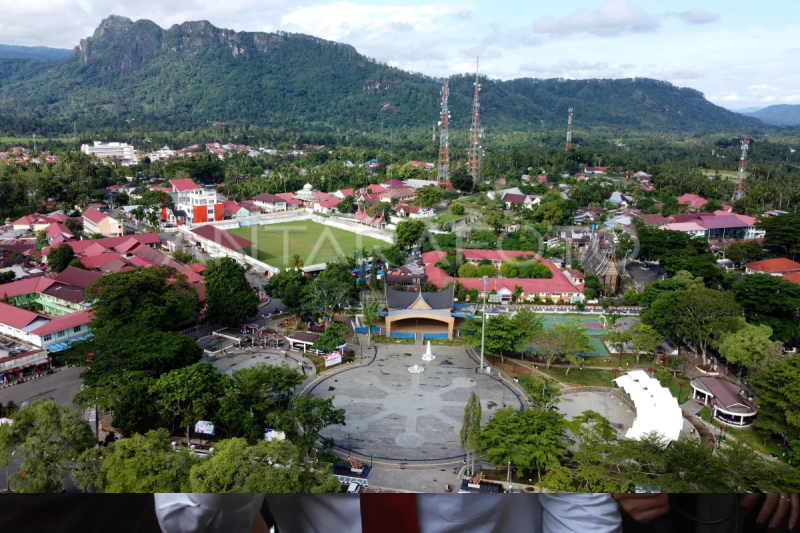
[[235, 210], [34, 223], [413, 211], [59, 231], [42, 331], [96, 222], [773, 267], [270, 203], [327, 207], [718, 225], [692, 201]]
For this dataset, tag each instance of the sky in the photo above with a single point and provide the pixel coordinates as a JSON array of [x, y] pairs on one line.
[[739, 53]]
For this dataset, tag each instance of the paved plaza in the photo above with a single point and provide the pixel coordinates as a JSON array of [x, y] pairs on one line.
[[395, 415], [608, 405]]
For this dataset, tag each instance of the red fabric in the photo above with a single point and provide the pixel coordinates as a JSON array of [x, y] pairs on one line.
[[389, 513]]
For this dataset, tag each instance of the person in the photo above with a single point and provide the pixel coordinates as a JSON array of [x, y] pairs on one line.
[[431, 513]]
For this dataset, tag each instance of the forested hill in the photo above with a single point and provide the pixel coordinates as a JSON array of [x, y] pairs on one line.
[[191, 74], [780, 115], [33, 52]]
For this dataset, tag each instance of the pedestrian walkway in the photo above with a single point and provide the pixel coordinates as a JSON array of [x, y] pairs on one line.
[[691, 407]]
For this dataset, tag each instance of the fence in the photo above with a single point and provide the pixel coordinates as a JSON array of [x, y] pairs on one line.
[[426, 336]]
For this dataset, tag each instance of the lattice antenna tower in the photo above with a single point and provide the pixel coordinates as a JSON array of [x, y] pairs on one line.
[[476, 133], [569, 130], [444, 138], [739, 194]]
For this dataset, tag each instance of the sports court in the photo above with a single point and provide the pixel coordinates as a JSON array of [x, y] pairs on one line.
[[594, 325]]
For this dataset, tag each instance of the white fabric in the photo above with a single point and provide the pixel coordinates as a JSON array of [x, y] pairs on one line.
[[438, 513], [657, 411]]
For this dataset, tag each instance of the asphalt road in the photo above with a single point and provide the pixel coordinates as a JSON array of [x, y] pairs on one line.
[[60, 387]]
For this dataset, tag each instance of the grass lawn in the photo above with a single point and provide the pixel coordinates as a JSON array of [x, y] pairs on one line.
[[585, 378], [314, 243], [449, 217], [383, 340], [753, 436]]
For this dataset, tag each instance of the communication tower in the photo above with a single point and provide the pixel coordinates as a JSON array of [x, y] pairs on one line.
[[569, 130], [476, 133], [739, 194], [444, 139]]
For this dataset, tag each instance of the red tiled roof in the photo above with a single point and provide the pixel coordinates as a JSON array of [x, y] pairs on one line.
[[25, 286], [128, 246], [223, 238], [198, 267], [95, 249], [268, 198], [654, 220], [109, 242], [78, 277], [141, 262], [99, 261], [693, 200], [329, 204], [94, 215], [183, 185], [514, 198], [59, 239], [64, 322], [346, 192], [15, 317], [57, 228], [794, 277], [774, 266], [59, 217]]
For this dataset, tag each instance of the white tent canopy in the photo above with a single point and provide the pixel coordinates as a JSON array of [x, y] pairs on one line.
[[657, 411]]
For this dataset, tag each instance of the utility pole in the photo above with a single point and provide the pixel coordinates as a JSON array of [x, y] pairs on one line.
[[739, 194], [476, 133], [485, 281], [569, 130], [444, 139]]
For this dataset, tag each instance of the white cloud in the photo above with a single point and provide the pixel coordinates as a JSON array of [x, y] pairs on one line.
[[676, 71], [698, 16], [613, 18]]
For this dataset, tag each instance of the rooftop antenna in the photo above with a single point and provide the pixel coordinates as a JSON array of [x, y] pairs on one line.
[[476, 133], [443, 174], [569, 130], [739, 194]]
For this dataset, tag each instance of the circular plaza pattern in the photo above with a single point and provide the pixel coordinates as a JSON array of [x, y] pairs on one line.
[[395, 415]]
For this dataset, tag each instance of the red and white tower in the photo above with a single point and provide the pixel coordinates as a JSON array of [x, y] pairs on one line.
[[569, 130], [476, 133], [739, 194], [444, 139]]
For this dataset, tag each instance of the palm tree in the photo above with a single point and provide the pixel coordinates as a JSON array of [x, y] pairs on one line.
[[297, 262]]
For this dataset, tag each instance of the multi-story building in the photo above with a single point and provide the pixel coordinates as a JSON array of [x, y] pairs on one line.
[[96, 222], [194, 204], [114, 150]]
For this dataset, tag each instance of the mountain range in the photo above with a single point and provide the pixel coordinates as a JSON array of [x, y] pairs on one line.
[[778, 115], [41, 53], [136, 74]]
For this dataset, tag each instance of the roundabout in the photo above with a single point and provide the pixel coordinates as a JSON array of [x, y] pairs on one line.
[[399, 416]]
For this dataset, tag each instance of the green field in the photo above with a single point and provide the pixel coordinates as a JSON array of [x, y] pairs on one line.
[[276, 244]]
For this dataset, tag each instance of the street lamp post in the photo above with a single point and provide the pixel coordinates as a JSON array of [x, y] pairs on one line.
[[483, 317], [508, 476]]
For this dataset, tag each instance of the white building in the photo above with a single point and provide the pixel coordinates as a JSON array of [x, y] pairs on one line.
[[114, 150], [39, 330], [194, 204]]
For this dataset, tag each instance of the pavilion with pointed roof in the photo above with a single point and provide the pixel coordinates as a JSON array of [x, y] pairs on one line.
[[420, 311]]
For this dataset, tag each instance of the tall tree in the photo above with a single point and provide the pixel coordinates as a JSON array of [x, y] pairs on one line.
[[144, 463], [526, 439], [782, 232], [190, 394], [231, 299], [770, 301], [289, 287], [747, 347], [312, 415], [409, 233], [644, 339], [471, 429], [59, 258], [328, 294], [372, 305], [699, 315], [46, 437], [266, 467], [141, 297], [429, 196]]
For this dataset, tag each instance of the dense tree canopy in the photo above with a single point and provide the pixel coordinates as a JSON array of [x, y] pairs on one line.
[[231, 299]]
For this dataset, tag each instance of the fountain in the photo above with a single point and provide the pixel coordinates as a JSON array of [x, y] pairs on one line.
[[428, 356], [416, 369]]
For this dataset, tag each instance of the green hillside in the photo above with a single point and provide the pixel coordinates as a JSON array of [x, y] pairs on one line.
[[191, 74], [41, 53], [779, 115]]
